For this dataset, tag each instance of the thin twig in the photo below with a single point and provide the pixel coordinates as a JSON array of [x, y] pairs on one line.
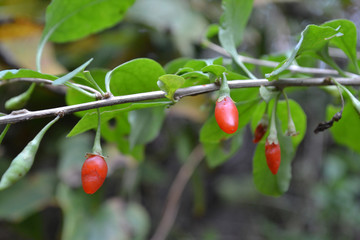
[[175, 192], [180, 93], [44, 81], [267, 63]]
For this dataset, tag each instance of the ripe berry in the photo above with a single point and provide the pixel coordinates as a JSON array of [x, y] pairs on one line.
[[273, 156], [226, 115], [259, 132], [93, 173]]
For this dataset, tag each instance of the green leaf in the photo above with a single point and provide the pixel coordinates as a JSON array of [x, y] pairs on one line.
[[232, 27], [21, 100], [233, 23], [88, 217], [266, 182], [136, 76], [4, 131], [71, 74], [169, 83], [173, 66], [75, 97], [268, 93], [218, 153], [145, 125], [24, 73], [347, 42], [297, 113], [314, 40], [346, 132], [27, 196], [68, 20], [217, 70], [89, 120], [212, 31]]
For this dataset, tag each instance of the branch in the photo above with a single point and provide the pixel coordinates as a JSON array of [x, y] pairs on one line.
[[24, 115], [267, 63], [176, 189]]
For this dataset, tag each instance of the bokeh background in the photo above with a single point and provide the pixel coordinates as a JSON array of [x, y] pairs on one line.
[[323, 201]]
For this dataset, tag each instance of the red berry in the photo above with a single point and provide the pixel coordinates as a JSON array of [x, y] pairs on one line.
[[273, 156], [226, 115], [93, 173], [259, 132]]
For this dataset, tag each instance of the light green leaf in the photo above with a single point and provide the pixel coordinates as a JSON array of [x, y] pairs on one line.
[[68, 20], [233, 23], [145, 125], [169, 83], [89, 120], [136, 76], [173, 66], [314, 40], [24, 73], [347, 42], [217, 70], [71, 74]]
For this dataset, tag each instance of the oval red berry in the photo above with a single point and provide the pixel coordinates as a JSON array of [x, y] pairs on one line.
[[226, 115], [93, 173], [273, 156], [259, 132]]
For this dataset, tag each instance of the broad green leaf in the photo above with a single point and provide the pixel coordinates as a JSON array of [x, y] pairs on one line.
[[346, 132], [68, 20], [169, 83], [89, 120], [136, 76], [232, 27], [233, 23], [27, 196], [196, 64], [347, 42], [314, 40], [71, 74], [297, 113], [24, 73], [173, 66], [266, 182], [218, 152], [89, 218], [145, 125]]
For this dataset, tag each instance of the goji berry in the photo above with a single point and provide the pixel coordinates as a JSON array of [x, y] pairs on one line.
[[273, 156], [93, 173], [226, 115]]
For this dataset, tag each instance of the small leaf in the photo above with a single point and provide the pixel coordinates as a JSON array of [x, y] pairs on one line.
[[169, 83], [347, 42], [212, 31], [314, 40], [173, 66], [217, 70], [20, 101], [3, 133], [71, 74], [24, 73]]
